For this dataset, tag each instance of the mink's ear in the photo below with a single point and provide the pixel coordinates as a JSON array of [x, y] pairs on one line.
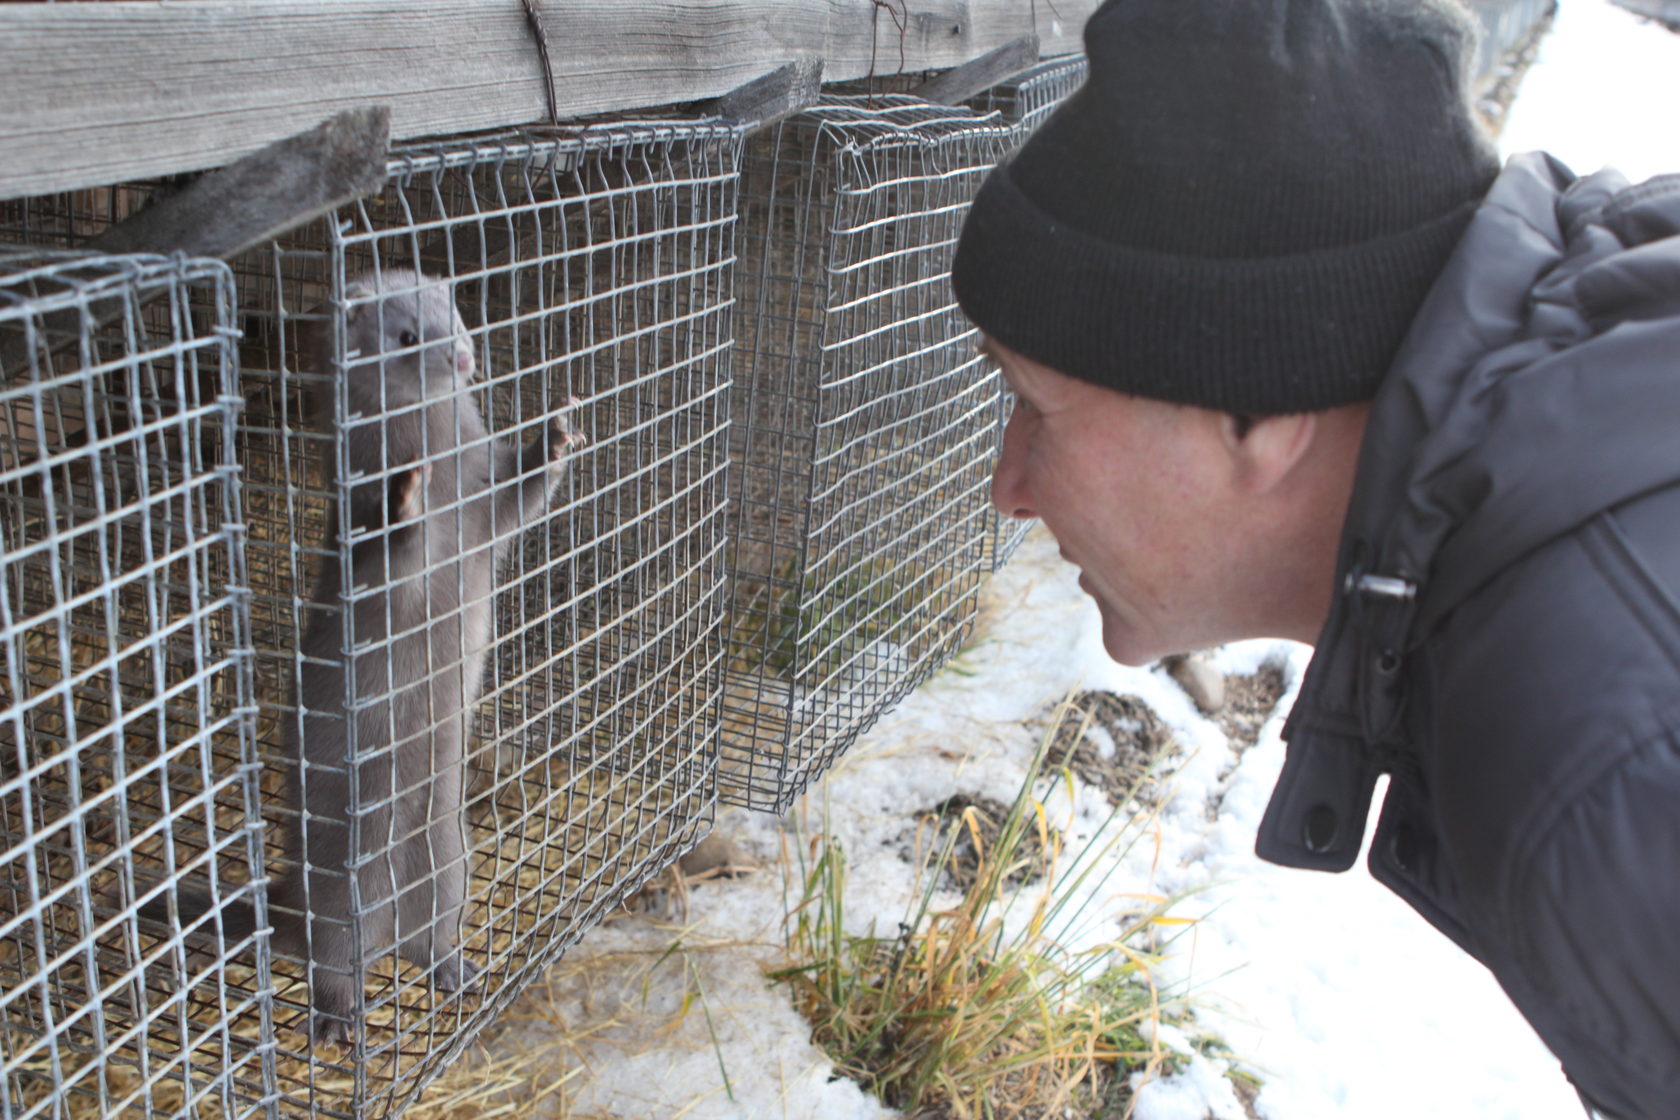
[[358, 293]]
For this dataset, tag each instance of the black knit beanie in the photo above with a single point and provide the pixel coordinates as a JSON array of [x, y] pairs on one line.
[[1243, 207]]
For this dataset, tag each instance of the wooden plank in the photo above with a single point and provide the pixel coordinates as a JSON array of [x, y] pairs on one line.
[[103, 92], [781, 93], [249, 202], [957, 85], [261, 196]]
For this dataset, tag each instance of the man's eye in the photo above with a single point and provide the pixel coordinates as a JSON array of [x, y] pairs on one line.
[[408, 338]]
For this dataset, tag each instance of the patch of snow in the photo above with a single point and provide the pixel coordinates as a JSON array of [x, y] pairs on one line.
[[1602, 92], [1199, 1091]]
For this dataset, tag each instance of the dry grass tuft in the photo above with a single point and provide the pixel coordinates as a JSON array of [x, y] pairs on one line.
[[971, 1011]]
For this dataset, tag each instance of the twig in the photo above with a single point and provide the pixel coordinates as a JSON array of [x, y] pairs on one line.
[[901, 20], [534, 18]]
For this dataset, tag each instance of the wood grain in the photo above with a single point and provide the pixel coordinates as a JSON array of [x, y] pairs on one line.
[[252, 200], [957, 85], [103, 92]]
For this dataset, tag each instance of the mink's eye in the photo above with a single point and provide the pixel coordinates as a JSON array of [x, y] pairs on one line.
[[408, 338]]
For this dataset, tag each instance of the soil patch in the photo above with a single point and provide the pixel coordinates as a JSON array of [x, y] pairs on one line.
[[1112, 742], [1249, 702], [963, 870]]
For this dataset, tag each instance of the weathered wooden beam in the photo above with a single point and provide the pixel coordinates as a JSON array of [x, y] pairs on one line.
[[957, 85], [246, 203], [766, 100], [99, 93], [261, 196]]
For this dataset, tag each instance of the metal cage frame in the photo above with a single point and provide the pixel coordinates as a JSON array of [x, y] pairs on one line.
[[590, 273], [127, 746], [595, 271], [865, 429], [1032, 95]]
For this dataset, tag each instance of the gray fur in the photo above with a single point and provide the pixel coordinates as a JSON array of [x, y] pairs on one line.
[[435, 506]]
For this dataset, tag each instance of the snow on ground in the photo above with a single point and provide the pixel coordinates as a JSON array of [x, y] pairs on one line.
[[1328, 988], [1602, 91], [1342, 1001], [739, 1049]]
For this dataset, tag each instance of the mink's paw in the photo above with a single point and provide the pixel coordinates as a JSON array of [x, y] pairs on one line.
[[563, 439], [325, 1030], [455, 973]]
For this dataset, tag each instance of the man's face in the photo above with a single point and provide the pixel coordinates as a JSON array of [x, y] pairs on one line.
[[1132, 490]]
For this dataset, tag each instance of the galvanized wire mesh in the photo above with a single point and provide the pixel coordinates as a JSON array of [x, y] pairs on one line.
[[127, 754], [865, 430], [592, 268], [1033, 94], [509, 675], [1027, 99]]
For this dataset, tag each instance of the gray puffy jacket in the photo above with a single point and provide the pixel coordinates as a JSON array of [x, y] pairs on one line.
[[1507, 641]]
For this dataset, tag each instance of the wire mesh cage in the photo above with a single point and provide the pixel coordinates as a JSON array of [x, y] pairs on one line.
[[865, 428], [484, 453], [1027, 99], [1032, 95], [127, 754]]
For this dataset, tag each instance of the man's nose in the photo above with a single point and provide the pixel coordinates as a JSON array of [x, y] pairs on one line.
[[1009, 492]]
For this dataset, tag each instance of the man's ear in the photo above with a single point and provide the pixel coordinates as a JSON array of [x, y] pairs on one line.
[[1265, 450]]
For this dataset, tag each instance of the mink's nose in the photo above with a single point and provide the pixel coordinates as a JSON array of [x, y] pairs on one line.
[[464, 358]]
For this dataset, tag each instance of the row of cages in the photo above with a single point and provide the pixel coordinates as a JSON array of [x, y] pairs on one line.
[[383, 606]]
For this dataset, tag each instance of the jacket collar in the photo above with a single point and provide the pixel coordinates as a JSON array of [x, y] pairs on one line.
[[1492, 434]]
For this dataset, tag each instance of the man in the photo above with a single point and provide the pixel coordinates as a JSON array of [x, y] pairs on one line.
[[1295, 357]]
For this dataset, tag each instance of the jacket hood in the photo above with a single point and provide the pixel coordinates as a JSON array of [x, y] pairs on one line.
[[1564, 414], [1536, 388]]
